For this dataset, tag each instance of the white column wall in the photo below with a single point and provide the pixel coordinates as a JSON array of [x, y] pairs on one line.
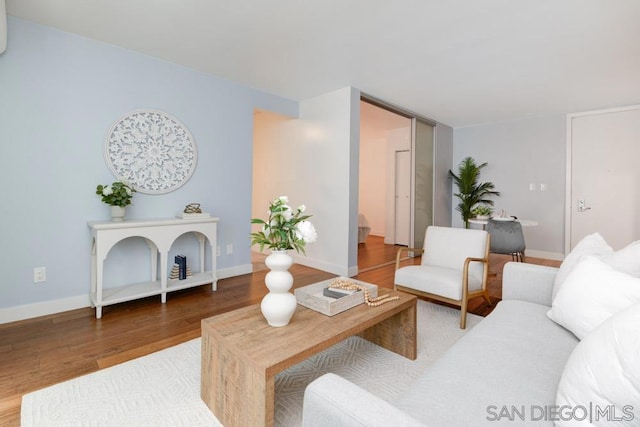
[[313, 160]]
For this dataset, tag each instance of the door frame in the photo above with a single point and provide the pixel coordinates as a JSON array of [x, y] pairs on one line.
[[569, 162]]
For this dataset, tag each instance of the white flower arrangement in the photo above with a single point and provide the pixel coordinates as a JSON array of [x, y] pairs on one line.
[[285, 227]]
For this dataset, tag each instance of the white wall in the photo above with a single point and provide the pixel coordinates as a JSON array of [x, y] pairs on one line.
[[59, 95], [520, 153], [313, 160], [373, 181], [442, 189]]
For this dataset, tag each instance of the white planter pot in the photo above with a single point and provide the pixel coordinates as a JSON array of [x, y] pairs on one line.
[[117, 213], [279, 304]]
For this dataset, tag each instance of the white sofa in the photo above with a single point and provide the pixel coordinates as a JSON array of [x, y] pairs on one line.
[[512, 359]]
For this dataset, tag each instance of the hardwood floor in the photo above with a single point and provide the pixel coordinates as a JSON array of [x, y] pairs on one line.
[[375, 253], [39, 352]]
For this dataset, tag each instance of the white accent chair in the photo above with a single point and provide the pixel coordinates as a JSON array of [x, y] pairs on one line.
[[454, 267]]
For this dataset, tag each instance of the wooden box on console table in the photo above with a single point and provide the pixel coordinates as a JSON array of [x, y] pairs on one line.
[[159, 234], [311, 297]]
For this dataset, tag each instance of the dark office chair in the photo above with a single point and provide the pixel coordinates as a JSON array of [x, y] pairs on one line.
[[507, 238]]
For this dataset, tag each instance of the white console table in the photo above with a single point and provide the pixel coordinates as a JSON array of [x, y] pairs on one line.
[[159, 234]]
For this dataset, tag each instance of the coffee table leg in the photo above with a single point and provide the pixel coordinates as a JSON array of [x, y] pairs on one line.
[[235, 393], [398, 333]]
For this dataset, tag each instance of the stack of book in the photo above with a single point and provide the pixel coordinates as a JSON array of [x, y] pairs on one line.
[[337, 293], [180, 269]]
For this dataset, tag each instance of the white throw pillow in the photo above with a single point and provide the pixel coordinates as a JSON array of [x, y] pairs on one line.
[[593, 244], [592, 293], [602, 375], [626, 259]]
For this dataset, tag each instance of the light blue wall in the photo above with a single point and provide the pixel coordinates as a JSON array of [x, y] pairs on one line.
[[519, 153], [59, 95]]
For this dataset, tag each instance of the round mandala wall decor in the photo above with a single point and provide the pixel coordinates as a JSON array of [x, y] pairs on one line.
[[151, 150]]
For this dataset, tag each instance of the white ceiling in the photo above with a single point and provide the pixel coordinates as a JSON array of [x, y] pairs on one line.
[[461, 62]]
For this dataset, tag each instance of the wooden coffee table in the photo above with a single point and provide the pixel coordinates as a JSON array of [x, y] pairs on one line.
[[241, 353]]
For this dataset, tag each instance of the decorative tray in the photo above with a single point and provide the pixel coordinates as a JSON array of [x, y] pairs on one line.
[[312, 297]]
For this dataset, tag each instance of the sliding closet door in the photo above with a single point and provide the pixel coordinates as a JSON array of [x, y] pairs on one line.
[[422, 188]]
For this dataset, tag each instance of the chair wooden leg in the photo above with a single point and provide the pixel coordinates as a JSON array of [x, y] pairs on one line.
[[463, 319], [463, 314], [485, 295]]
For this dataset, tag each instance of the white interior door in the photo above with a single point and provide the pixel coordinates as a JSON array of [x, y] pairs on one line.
[[402, 197], [604, 176]]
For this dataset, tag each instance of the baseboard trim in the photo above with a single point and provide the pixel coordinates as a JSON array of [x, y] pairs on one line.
[[545, 255], [238, 270], [45, 308], [324, 266]]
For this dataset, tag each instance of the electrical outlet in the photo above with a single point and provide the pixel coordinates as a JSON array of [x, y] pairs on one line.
[[39, 274], [229, 248]]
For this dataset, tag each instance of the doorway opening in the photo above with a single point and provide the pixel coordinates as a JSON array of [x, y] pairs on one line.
[[384, 203]]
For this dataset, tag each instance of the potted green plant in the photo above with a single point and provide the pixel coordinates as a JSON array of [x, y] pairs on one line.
[[482, 212], [470, 191], [117, 195]]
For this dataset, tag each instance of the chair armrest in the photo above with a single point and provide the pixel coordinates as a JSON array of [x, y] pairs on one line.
[[471, 259], [465, 274], [528, 282], [333, 401], [399, 254]]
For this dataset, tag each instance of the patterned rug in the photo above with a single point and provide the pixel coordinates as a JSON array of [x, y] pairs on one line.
[[163, 388]]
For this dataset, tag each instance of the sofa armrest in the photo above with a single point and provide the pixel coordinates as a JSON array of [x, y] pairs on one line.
[[528, 282], [333, 401]]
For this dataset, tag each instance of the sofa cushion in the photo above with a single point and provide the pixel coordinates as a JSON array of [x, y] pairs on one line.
[[436, 280], [593, 244], [515, 356], [592, 293], [603, 371]]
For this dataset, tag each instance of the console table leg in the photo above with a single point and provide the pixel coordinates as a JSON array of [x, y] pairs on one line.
[[201, 240]]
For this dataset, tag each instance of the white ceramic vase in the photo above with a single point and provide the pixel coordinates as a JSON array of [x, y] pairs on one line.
[[117, 213], [279, 304]]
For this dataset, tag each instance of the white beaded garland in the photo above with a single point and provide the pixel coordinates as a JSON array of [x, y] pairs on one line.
[[348, 285]]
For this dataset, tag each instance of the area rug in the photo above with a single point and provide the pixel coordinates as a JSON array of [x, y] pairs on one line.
[[163, 388]]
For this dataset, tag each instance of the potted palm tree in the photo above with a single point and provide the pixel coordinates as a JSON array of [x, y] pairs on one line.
[[470, 191]]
